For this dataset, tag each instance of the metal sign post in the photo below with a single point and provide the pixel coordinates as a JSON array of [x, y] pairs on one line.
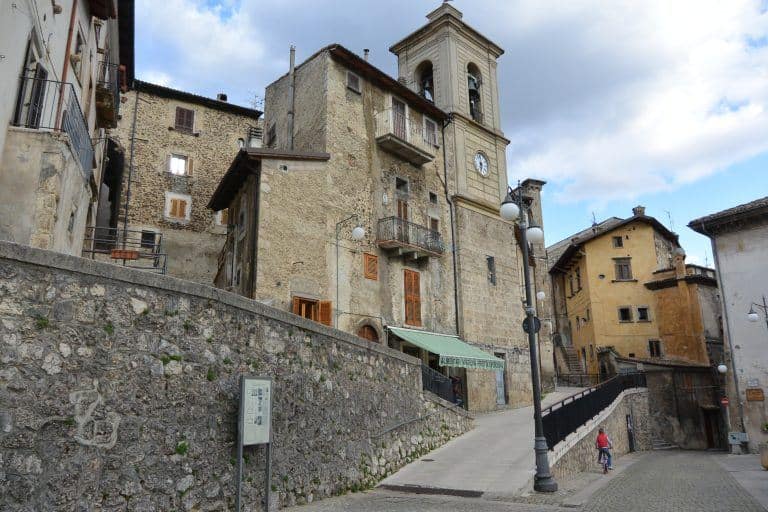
[[254, 426]]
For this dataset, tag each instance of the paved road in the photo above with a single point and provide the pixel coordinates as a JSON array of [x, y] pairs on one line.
[[662, 481], [496, 458], [674, 481]]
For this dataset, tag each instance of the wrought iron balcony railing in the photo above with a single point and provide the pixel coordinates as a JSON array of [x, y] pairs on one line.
[[50, 105], [405, 137], [407, 237], [107, 94], [135, 249]]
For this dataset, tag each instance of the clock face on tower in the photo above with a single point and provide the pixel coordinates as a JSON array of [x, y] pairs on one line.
[[481, 164]]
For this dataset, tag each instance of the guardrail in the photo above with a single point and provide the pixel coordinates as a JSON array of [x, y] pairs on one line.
[[392, 122], [108, 93], [397, 231], [566, 416], [51, 105], [130, 248], [437, 383]]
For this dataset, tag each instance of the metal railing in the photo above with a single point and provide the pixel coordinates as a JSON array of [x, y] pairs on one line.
[[130, 248], [51, 105], [564, 417], [407, 233], [437, 383], [578, 380], [108, 81], [392, 122]]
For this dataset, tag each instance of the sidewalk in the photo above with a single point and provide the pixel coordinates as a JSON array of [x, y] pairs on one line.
[[494, 460], [748, 472]]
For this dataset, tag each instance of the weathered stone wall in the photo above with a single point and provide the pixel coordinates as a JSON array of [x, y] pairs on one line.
[[118, 392], [577, 453], [44, 194], [192, 245]]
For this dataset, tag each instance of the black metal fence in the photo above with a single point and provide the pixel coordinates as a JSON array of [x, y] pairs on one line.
[[108, 89], [50, 105], [578, 380], [437, 383], [564, 417], [408, 233], [142, 250]]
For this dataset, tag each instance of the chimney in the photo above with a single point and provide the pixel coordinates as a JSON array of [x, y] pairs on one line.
[[221, 97], [638, 211], [366, 51]]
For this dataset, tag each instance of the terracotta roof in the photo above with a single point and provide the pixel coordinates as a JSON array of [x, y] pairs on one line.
[[556, 250], [716, 221], [575, 243], [245, 164], [167, 92]]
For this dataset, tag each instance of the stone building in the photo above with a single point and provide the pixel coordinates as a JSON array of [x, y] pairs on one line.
[[419, 164], [739, 238], [171, 149], [623, 285], [61, 73]]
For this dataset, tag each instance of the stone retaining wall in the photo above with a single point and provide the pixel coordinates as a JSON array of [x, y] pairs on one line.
[[118, 392], [577, 453]]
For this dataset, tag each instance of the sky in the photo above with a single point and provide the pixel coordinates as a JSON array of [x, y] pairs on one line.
[[613, 103]]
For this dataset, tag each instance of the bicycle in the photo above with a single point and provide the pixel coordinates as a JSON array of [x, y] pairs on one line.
[[604, 459]]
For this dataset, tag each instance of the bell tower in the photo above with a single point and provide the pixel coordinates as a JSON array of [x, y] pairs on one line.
[[452, 64]]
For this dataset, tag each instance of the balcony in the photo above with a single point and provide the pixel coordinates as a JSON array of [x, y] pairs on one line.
[[141, 250], [107, 94], [48, 105], [405, 137], [408, 238]]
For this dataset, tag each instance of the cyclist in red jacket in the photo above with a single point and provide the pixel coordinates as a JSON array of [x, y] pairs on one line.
[[604, 445]]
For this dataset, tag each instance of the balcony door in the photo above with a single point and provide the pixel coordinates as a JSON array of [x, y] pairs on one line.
[[399, 127], [401, 227], [31, 97]]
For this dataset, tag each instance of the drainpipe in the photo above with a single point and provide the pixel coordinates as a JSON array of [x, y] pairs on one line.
[[130, 165], [291, 95], [65, 67], [255, 231], [453, 229]]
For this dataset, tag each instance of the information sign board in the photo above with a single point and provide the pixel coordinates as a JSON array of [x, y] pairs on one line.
[[257, 407]]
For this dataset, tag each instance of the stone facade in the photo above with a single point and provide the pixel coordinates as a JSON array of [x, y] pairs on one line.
[[577, 453], [118, 391], [192, 241]]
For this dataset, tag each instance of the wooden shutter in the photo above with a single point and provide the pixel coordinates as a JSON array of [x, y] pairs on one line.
[[182, 209], [296, 306], [326, 313], [371, 266], [412, 298], [185, 119], [402, 209], [173, 211], [189, 166]]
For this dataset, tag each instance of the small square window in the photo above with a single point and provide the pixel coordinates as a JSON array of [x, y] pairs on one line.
[[430, 131], [623, 267], [642, 315], [618, 241], [185, 120], [625, 314], [401, 185], [654, 348], [371, 266], [177, 206], [177, 165], [353, 82], [147, 239], [433, 198]]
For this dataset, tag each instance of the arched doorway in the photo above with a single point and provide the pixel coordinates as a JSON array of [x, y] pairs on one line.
[[369, 333]]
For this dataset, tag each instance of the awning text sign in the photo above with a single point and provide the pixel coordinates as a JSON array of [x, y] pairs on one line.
[[257, 407]]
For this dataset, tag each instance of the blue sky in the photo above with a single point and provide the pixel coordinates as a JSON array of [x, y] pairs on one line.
[[614, 103]]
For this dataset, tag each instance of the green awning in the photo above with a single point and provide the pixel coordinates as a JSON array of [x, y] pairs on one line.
[[452, 351]]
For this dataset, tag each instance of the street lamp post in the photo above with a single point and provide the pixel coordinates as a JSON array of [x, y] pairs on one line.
[[511, 210], [752, 316], [358, 233]]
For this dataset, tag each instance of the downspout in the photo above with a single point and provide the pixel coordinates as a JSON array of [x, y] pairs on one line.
[[130, 166], [453, 228], [255, 231], [291, 96], [65, 67]]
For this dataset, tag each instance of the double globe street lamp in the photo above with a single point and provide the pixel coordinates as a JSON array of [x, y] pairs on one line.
[[511, 210]]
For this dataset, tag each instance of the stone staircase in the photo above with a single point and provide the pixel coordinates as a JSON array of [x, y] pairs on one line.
[[572, 359], [660, 444]]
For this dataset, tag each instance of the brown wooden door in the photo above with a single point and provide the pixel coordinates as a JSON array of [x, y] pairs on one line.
[[401, 227], [369, 333], [399, 125], [412, 287]]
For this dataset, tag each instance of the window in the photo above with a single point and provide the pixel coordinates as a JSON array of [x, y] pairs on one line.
[[371, 266], [654, 348], [353, 82], [222, 217], [578, 323], [367, 332], [570, 283], [433, 198], [424, 77], [179, 165], [490, 261], [240, 143], [642, 314], [147, 239], [618, 241], [177, 206], [625, 314], [316, 310], [623, 269], [578, 279], [271, 136], [401, 186], [434, 224], [185, 120], [631, 354], [474, 82], [430, 131], [591, 351], [412, 289], [77, 55]]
